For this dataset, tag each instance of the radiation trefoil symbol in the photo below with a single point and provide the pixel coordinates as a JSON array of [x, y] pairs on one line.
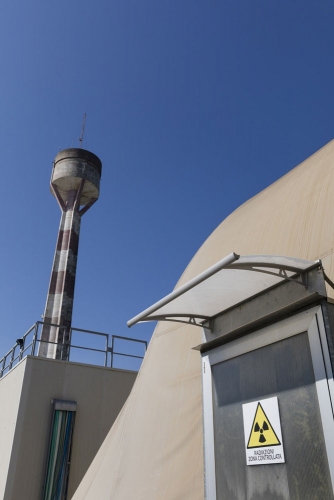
[[262, 432]]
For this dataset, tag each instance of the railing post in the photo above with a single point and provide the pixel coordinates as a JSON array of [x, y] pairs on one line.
[[62, 333], [34, 340], [112, 351], [70, 342], [3, 365], [12, 358]]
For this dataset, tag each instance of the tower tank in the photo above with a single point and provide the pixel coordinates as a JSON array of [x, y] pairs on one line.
[[75, 183]]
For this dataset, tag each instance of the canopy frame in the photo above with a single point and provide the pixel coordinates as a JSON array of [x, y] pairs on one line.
[[256, 263]]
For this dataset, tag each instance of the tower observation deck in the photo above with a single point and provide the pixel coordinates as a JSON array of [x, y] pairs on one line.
[[75, 183]]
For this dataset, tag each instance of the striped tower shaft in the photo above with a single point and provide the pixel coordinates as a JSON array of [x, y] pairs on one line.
[[59, 303]]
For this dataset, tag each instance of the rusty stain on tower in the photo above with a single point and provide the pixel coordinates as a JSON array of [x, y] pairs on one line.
[[75, 183]]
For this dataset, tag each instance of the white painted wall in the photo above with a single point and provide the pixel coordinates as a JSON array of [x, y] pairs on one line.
[[10, 393], [100, 394]]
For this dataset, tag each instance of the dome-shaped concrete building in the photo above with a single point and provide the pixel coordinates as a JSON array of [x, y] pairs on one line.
[[154, 451]]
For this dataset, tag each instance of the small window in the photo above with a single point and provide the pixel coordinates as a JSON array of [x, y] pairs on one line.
[[59, 456]]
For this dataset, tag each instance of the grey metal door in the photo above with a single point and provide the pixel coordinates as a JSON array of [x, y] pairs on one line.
[[283, 369]]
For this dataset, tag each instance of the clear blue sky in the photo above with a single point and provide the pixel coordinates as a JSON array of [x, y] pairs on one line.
[[192, 106]]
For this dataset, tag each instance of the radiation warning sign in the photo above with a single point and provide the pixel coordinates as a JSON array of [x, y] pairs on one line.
[[263, 434]]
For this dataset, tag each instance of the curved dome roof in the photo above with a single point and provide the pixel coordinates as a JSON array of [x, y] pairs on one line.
[[154, 451], [292, 217]]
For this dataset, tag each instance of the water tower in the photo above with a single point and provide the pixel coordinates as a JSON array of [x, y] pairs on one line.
[[75, 183]]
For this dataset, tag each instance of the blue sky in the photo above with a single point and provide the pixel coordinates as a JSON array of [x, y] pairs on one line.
[[192, 106]]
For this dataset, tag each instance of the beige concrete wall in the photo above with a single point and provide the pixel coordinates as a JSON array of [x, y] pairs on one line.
[[10, 393], [100, 394], [153, 451], [159, 456]]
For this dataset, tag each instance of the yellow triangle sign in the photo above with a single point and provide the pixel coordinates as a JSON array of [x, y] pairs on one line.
[[262, 432]]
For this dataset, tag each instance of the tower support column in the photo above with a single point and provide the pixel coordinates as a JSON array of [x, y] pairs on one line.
[[59, 304]]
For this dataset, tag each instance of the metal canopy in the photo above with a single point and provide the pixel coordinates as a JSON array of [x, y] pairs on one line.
[[227, 283]]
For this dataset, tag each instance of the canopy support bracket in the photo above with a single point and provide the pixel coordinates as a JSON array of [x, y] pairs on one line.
[[209, 326], [329, 281], [283, 274]]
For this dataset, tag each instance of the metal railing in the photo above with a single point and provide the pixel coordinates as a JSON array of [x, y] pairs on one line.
[[103, 345]]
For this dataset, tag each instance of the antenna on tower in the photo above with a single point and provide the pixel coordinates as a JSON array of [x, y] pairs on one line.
[[82, 130]]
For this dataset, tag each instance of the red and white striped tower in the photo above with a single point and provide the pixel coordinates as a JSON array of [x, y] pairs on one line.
[[75, 183]]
